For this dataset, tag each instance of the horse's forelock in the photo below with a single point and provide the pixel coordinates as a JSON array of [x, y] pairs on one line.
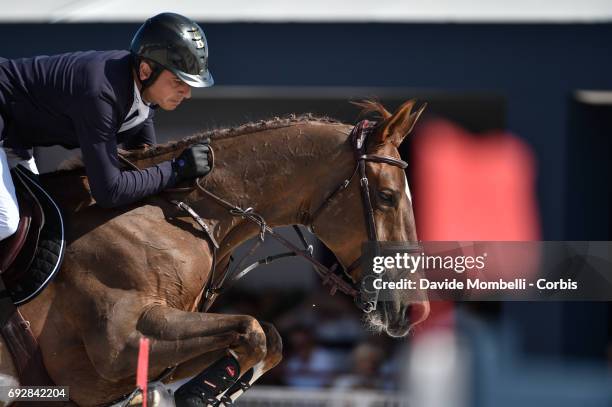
[[372, 107]]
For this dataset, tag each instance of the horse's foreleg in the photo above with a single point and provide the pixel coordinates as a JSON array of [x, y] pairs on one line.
[[175, 333], [175, 337], [244, 352], [274, 355]]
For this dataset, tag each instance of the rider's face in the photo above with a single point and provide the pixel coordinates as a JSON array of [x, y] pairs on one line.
[[167, 91]]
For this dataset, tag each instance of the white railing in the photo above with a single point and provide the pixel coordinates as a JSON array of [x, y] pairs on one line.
[[271, 396], [264, 396]]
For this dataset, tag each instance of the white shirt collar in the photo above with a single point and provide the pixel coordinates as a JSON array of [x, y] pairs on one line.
[[138, 113]]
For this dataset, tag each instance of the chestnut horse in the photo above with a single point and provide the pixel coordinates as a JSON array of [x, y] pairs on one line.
[[140, 270]]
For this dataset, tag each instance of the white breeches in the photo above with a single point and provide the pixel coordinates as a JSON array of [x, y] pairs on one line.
[[9, 210]]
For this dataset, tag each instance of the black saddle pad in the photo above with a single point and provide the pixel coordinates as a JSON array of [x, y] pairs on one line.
[[51, 243]]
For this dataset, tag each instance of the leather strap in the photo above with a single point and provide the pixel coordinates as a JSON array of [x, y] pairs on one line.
[[384, 160], [22, 344]]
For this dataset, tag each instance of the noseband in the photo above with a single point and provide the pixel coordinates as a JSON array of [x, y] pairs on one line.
[[365, 297]]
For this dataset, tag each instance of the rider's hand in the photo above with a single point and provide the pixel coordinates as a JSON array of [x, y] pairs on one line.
[[193, 162]]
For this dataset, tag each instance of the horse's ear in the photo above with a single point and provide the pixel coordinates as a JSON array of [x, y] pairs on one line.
[[400, 124]]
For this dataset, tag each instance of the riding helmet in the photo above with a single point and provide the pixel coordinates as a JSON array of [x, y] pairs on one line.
[[176, 43]]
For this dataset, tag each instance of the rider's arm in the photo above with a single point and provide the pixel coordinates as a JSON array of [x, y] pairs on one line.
[[96, 129]]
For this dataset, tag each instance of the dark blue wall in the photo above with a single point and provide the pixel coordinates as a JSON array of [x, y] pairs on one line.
[[535, 67]]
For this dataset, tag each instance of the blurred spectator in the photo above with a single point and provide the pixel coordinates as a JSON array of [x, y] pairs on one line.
[[367, 362], [335, 319], [307, 365]]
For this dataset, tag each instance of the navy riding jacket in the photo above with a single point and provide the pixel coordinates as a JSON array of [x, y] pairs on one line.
[[75, 100]]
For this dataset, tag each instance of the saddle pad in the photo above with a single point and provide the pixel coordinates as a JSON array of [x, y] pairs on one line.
[[50, 249]]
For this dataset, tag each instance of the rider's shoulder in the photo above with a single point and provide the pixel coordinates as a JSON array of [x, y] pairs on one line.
[[101, 64], [95, 58], [105, 73]]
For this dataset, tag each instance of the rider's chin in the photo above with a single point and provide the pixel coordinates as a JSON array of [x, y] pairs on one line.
[[170, 105]]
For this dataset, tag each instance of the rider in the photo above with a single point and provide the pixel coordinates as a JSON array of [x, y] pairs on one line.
[[97, 99]]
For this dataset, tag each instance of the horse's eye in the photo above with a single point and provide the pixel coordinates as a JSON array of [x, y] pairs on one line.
[[386, 198]]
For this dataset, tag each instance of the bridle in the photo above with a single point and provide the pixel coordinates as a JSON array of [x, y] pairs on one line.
[[359, 136], [365, 297]]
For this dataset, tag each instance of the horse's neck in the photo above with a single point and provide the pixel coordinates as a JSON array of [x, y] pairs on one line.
[[281, 173]]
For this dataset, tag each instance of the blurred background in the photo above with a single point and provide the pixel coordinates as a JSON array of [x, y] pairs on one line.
[[515, 144]]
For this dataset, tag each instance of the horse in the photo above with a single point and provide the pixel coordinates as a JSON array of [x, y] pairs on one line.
[[142, 270]]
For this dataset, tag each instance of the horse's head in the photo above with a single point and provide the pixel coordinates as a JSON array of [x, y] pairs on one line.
[[342, 224]]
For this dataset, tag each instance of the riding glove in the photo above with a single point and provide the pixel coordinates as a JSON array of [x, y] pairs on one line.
[[193, 162]]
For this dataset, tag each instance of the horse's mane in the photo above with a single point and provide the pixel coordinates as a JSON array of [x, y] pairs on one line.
[[225, 133], [369, 107]]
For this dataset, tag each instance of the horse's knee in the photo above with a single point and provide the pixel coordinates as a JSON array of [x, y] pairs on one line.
[[253, 339], [274, 345]]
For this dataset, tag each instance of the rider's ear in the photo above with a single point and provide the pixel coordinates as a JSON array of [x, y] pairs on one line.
[[144, 71], [398, 126]]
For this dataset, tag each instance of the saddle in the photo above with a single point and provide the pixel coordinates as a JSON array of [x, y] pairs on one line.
[[28, 262], [31, 257]]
